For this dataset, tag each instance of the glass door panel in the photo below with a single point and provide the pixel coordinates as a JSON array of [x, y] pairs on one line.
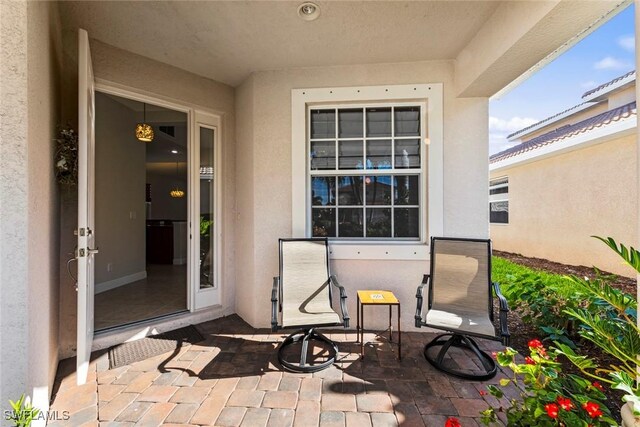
[[207, 209]]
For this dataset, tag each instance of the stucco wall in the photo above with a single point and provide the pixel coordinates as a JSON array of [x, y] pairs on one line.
[[29, 108], [264, 213], [164, 81], [555, 204]]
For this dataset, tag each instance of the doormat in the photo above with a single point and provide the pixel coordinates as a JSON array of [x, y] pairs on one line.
[[154, 345]]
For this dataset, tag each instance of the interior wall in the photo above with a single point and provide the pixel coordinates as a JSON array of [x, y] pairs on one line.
[[164, 178], [557, 203], [264, 164], [120, 193], [30, 101], [158, 80]]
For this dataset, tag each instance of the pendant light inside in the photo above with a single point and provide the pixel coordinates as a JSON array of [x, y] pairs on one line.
[[144, 132], [176, 193]]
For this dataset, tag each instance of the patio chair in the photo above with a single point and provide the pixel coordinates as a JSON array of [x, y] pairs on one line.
[[460, 301], [302, 294]]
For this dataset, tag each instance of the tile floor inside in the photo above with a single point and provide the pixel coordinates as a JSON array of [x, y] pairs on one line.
[[232, 379], [164, 291]]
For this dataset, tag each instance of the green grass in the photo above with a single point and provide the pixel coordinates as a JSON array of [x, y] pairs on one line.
[[510, 276]]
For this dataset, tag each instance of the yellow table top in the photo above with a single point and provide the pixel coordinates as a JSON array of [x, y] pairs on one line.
[[377, 297]]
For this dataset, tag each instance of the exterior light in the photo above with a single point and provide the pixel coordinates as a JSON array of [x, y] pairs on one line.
[[144, 132], [309, 11], [174, 151]]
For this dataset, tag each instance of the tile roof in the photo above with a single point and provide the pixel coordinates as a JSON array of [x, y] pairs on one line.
[[607, 84], [549, 119], [567, 131]]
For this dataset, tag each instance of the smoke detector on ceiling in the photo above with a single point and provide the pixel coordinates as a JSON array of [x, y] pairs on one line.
[[309, 11]]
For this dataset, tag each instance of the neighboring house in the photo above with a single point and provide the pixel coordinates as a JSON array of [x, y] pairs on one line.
[[262, 92], [571, 176]]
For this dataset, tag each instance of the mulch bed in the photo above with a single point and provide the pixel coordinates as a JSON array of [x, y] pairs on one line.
[[525, 332]]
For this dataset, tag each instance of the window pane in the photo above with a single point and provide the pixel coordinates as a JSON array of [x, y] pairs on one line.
[[378, 122], [379, 154], [323, 124], [350, 123], [407, 121], [379, 222], [407, 153], [350, 222], [323, 191], [406, 190], [406, 222], [350, 190], [350, 155], [499, 212], [207, 226], [323, 155], [378, 190], [323, 222]]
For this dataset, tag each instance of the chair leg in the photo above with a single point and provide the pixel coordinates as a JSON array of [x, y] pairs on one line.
[[304, 336], [464, 342]]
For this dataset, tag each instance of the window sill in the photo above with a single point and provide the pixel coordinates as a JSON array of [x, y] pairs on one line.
[[392, 251]]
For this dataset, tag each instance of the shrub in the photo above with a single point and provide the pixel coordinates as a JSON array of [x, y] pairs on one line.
[[616, 333], [549, 398]]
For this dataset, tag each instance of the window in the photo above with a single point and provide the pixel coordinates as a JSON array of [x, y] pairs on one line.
[[365, 168], [499, 200], [336, 155]]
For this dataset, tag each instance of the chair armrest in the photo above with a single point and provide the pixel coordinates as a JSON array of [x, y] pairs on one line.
[[343, 300], [275, 292], [504, 310], [418, 316]]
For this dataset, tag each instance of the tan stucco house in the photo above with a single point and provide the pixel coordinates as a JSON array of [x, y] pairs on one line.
[[570, 176], [268, 117]]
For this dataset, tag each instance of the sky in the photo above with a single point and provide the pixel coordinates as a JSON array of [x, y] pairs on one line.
[[603, 55]]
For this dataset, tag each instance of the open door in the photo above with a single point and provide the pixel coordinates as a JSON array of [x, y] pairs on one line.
[[86, 204]]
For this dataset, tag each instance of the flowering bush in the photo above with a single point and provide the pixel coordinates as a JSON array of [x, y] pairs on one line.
[[616, 333], [550, 398], [452, 422]]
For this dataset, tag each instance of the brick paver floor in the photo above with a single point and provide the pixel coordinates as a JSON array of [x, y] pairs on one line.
[[232, 379]]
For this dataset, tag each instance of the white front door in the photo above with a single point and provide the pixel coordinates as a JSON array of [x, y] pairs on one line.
[[86, 203]]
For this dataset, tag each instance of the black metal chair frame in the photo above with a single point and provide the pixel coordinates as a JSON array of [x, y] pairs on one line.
[[306, 333], [462, 339]]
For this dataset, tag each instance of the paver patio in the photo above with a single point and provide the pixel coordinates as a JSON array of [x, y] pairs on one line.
[[232, 379]]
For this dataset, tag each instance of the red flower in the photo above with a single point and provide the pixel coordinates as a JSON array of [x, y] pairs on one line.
[[452, 422], [565, 403], [483, 393], [597, 385], [535, 344], [494, 354], [552, 410], [529, 361], [593, 409]]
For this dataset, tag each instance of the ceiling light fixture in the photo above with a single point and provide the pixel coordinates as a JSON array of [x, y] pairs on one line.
[[174, 151], [177, 193], [144, 132], [309, 11]]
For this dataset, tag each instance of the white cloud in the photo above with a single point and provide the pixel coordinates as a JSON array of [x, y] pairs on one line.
[[588, 85], [627, 42], [610, 63], [511, 125]]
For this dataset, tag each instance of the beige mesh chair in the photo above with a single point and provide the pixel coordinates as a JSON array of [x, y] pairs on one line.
[[460, 301], [302, 295]]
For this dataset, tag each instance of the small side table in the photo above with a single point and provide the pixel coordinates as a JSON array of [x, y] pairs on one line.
[[369, 297]]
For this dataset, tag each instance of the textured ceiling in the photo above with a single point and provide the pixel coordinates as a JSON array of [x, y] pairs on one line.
[[226, 41]]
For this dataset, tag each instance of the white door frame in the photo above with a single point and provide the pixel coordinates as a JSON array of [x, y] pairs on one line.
[[196, 299], [208, 296]]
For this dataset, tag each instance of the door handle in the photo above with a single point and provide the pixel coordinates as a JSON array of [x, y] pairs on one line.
[[92, 251]]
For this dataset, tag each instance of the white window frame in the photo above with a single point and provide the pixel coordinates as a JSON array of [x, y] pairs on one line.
[[432, 209], [502, 197]]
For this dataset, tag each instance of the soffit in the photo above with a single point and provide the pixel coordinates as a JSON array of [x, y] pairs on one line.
[[226, 41]]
